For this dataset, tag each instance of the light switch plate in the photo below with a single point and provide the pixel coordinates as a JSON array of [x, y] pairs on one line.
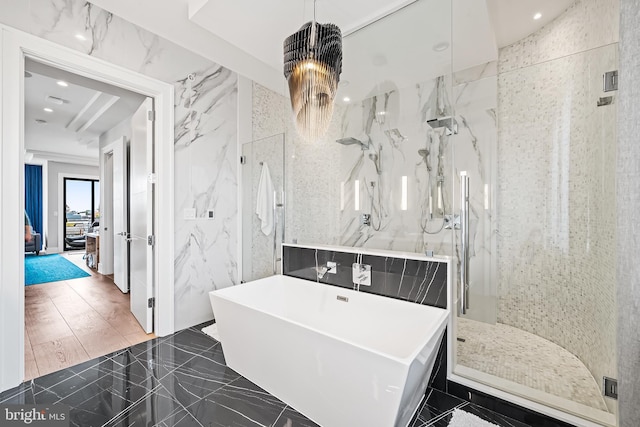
[[190, 213], [210, 214]]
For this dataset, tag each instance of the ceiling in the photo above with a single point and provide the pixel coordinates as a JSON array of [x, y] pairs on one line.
[[251, 43], [378, 54], [262, 32], [513, 20], [81, 112]]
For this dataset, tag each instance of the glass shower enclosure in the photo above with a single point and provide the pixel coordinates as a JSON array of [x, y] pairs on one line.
[[506, 164], [541, 319]]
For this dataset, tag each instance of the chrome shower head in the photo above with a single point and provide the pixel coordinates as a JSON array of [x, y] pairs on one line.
[[449, 124], [353, 141]]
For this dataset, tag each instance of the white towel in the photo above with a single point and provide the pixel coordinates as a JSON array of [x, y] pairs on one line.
[[264, 203], [462, 418]]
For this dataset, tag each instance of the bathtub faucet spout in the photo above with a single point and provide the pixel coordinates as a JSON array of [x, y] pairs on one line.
[[330, 267]]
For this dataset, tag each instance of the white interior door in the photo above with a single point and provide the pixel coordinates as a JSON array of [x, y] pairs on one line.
[[120, 215], [141, 215]]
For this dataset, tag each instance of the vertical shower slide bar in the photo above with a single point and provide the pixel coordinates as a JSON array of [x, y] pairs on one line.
[[464, 238]]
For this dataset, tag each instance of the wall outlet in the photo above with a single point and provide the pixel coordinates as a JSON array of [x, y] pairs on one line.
[[189, 213], [210, 214]]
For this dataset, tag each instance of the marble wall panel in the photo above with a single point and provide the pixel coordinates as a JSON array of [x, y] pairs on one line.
[[205, 179]]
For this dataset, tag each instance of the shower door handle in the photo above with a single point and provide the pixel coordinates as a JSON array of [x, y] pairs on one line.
[[464, 239], [275, 232]]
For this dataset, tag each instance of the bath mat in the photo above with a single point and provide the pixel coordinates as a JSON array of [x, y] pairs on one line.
[[212, 331], [50, 268], [460, 418]]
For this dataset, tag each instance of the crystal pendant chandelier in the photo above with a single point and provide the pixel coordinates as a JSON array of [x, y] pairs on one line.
[[312, 67]]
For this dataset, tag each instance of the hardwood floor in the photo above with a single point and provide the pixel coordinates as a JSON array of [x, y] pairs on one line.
[[72, 321]]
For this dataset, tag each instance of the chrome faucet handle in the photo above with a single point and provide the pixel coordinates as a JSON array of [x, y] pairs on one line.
[[361, 274]]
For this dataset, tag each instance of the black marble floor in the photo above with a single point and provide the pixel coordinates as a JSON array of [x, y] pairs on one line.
[[182, 380]]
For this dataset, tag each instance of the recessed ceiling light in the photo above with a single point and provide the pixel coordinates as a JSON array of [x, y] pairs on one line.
[[441, 47], [346, 99], [62, 83], [537, 16], [80, 37], [56, 100], [48, 110]]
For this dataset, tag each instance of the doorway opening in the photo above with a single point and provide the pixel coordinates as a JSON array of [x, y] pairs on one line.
[[17, 46], [90, 312]]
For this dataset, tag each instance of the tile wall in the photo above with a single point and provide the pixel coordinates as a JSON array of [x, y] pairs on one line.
[[628, 216], [556, 210], [419, 281]]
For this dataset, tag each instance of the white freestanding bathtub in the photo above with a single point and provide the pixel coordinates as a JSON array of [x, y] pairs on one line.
[[340, 357]]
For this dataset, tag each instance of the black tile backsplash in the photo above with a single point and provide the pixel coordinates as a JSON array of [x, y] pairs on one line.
[[422, 282]]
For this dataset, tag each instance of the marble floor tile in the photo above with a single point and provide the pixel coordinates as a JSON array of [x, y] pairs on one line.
[[183, 381], [289, 417], [157, 409], [167, 354], [201, 376], [21, 395], [240, 404]]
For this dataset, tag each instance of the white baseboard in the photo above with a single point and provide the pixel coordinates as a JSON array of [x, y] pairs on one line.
[[52, 250], [103, 270]]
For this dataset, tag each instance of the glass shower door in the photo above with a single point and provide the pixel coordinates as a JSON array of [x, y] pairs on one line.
[[262, 207], [542, 207], [473, 153]]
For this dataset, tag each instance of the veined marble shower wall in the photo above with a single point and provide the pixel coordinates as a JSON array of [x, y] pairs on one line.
[[556, 196], [205, 135], [405, 174], [401, 151]]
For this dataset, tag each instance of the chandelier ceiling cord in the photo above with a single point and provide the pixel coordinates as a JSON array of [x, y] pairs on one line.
[[312, 67]]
